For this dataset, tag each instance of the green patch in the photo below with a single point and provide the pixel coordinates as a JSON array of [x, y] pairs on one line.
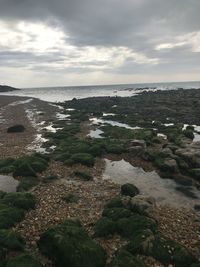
[[11, 240], [128, 227], [115, 203], [68, 244], [169, 252], [50, 178], [83, 175], [24, 201], [104, 227], [71, 198], [23, 260], [83, 158], [125, 259], [9, 216], [116, 213], [26, 183]]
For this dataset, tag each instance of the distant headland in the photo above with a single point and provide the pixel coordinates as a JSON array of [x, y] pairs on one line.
[[6, 88]]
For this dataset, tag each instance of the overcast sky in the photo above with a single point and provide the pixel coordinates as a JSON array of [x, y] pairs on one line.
[[82, 42]]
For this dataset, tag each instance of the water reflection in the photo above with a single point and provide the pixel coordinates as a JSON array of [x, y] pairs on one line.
[[149, 183]]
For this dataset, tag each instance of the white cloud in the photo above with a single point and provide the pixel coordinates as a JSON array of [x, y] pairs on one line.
[[190, 39], [41, 39]]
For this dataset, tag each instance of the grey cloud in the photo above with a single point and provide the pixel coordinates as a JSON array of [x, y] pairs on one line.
[[137, 24]]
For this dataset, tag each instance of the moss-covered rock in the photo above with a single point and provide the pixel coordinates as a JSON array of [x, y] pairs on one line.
[[2, 194], [141, 242], [20, 200], [69, 245], [11, 240], [116, 202], [129, 190], [9, 216], [27, 183], [125, 259], [83, 158], [24, 169], [116, 213], [71, 198], [50, 178], [169, 252], [83, 175], [23, 260], [128, 227], [105, 227]]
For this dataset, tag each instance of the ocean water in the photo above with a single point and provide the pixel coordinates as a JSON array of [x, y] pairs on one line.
[[61, 94]]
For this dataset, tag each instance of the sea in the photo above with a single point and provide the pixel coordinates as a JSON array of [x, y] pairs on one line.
[[64, 93]]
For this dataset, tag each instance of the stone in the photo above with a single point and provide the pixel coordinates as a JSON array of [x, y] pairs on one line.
[[144, 205], [68, 244], [18, 128], [129, 190]]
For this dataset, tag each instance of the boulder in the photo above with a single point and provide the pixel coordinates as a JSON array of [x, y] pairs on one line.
[[136, 142], [68, 244], [16, 129], [23, 260], [125, 259], [129, 190], [144, 205]]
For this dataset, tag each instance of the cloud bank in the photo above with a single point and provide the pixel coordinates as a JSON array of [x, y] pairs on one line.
[[71, 42]]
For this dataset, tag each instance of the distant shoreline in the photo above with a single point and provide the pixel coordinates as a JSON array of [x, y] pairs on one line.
[[6, 88]]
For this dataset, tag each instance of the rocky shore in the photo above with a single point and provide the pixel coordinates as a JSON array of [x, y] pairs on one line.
[[67, 182]]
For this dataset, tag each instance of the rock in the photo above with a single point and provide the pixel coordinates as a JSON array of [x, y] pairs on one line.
[[11, 240], [104, 227], [197, 207], [144, 205], [137, 147], [196, 173], [136, 142], [128, 227], [191, 154], [183, 180], [136, 150], [166, 152], [170, 164], [23, 260], [9, 216], [24, 201], [116, 213], [125, 259], [129, 190], [68, 244], [16, 129]]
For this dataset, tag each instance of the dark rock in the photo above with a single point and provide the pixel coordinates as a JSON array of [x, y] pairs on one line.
[[68, 244], [23, 260], [128, 227], [9, 216], [129, 190], [11, 240], [16, 129], [104, 227], [125, 259], [116, 213], [24, 201]]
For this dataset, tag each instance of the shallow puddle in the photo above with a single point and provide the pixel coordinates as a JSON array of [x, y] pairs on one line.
[[97, 121], [150, 184], [96, 133], [8, 183]]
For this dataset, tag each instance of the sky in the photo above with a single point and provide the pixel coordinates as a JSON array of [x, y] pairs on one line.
[[85, 42]]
